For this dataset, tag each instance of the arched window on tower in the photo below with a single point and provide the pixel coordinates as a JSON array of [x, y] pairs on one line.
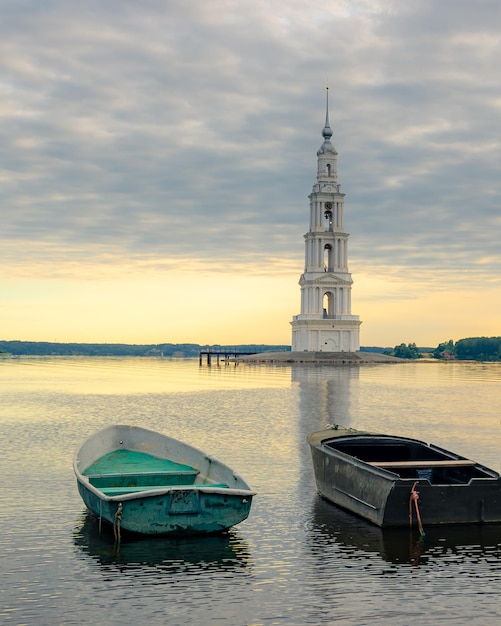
[[328, 217], [328, 258], [328, 305], [328, 169]]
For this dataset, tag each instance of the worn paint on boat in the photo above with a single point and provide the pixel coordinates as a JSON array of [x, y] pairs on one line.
[[394, 481], [147, 482]]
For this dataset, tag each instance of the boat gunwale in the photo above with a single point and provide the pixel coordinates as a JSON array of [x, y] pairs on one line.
[[148, 493], [162, 490], [320, 440]]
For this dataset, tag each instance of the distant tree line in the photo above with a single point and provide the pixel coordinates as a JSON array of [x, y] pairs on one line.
[[471, 349], [181, 350]]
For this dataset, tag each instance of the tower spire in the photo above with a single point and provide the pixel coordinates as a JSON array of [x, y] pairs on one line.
[[327, 149], [327, 131]]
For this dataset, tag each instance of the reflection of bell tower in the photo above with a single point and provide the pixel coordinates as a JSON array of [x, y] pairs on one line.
[[325, 322]]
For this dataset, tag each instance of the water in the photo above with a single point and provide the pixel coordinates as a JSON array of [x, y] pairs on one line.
[[296, 560]]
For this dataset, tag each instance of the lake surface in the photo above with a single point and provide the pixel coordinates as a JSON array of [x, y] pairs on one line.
[[297, 559]]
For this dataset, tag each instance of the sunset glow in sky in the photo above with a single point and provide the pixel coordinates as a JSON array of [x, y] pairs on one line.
[[158, 157]]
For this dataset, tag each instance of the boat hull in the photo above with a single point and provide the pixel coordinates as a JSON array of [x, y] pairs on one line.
[[171, 512], [444, 492], [145, 482]]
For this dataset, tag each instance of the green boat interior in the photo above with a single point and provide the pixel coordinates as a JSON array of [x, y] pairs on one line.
[[411, 459], [127, 471]]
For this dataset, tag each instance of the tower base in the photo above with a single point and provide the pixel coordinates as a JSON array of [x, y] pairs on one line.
[[326, 335]]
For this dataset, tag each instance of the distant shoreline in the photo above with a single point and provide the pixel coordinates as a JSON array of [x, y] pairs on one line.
[[241, 353], [186, 350]]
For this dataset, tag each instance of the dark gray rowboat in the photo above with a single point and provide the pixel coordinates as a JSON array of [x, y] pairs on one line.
[[394, 481]]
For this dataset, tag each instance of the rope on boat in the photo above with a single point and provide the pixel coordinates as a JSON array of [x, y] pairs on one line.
[[116, 523], [414, 500]]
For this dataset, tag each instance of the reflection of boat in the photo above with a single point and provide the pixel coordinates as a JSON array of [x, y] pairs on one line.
[[169, 554], [354, 536], [145, 482], [388, 480]]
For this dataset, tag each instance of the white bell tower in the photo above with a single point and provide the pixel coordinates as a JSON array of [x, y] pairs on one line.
[[325, 323]]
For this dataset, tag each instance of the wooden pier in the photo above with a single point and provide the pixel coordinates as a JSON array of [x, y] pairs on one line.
[[223, 354]]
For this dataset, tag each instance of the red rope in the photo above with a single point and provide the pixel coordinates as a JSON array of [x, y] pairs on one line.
[[414, 500]]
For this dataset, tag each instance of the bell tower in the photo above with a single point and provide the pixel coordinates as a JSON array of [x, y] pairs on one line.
[[325, 323]]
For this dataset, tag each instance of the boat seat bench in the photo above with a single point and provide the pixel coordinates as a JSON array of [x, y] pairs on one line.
[[143, 479], [120, 491], [421, 464]]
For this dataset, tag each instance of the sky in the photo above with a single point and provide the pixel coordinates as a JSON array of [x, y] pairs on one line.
[[157, 158]]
